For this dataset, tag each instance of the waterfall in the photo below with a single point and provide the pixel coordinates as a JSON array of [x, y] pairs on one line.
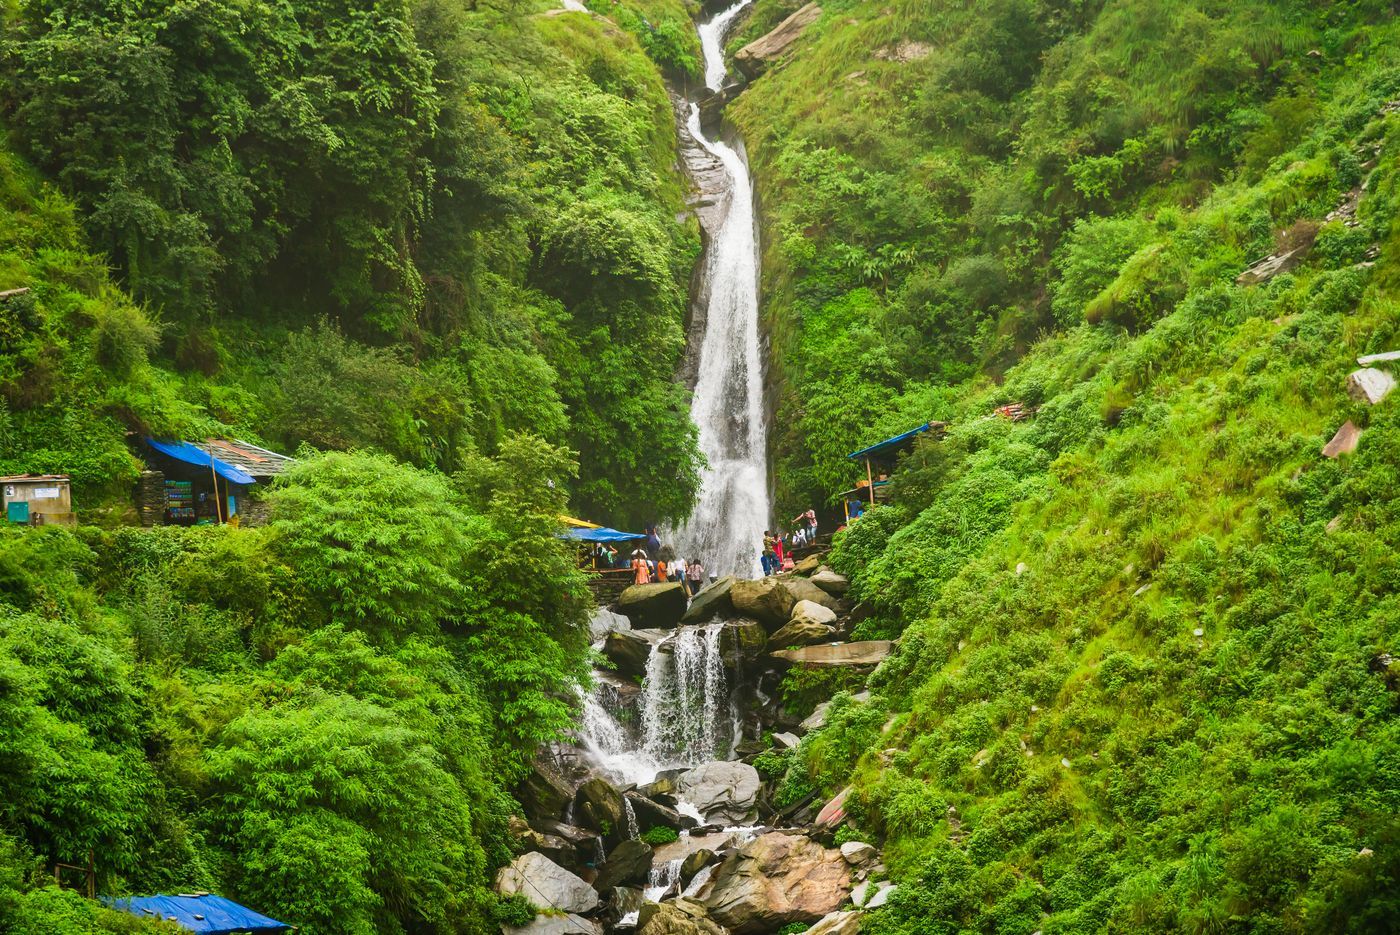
[[686, 713], [662, 878], [685, 705], [726, 529]]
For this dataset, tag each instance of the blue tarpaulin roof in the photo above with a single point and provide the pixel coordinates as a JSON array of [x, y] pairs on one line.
[[210, 914], [889, 444], [601, 534], [193, 454]]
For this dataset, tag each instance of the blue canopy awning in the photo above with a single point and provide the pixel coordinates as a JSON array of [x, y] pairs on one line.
[[890, 444], [193, 454], [601, 534], [210, 914]]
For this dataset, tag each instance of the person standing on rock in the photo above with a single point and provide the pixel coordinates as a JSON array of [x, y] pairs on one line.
[[678, 573], [653, 542], [661, 576], [695, 572], [641, 571]]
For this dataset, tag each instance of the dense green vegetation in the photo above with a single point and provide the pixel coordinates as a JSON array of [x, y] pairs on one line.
[[394, 237], [1145, 680], [402, 225]]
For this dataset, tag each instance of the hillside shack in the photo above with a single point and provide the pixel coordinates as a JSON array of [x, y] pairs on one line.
[[38, 499]]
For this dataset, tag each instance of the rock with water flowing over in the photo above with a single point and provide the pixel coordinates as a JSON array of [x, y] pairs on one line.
[[711, 602], [856, 655], [830, 582], [598, 805], [629, 650], [723, 790], [775, 880], [544, 792], [802, 589], [653, 814], [757, 55], [767, 599], [556, 925], [629, 862], [682, 917], [837, 923], [545, 884], [653, 606], [742, 641], [694, 862]]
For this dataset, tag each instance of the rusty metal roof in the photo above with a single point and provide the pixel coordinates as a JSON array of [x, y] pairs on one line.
[[258, 462]]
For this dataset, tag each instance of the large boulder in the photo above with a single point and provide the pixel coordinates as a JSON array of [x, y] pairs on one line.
[[837, 923], [723, 790], [742, 641], [555, 925], [757, 55], [802, 589], [810, 623], [867, 653], [651, 813], [556, 848], [629, 650], [545, 884], [629, 862], [544, 792], [604, 621], [775, 880], [694, 862], [809, 564], [833, 812], [624, 900], [653, 606], [1369, 385], [830, 582], [684, 847], [711, 602], [598, 805], [768, 599], [680, 917]]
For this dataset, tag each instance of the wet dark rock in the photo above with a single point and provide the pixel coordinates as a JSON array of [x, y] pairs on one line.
[[711, 602], [695, 862], [652, 814], [629, 650], [598, 805], [628, 862], [742, 641], [544, 792], [653, 606]]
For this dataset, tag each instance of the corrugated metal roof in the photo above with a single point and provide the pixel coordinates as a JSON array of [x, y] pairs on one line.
[[891, 444], [258, 462]]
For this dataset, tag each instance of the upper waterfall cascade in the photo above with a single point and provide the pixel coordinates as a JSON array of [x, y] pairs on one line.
[[726, 529]]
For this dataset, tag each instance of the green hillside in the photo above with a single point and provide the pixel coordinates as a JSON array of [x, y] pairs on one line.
[[1144, 681]]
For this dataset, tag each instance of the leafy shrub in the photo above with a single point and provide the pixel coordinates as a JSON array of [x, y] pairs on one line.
[[659, 835], [513, 910]]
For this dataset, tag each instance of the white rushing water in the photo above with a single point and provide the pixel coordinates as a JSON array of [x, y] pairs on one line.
[[726, 529], [684, 716]]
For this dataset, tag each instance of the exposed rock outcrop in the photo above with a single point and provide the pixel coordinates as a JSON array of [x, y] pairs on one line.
[[598, 805], [630, 649], [867, 653], [775, 880], [830, 582], [681, 917], [766, 599], [629, 862], [753, 58], [1344, 442], [802, 589], [838, 923], [545, 884], [544, 792], [806, 627], [651, 813], [1369, 385], [653, 606], [711, 602], [556, 925], [742, 641], [722, 790]]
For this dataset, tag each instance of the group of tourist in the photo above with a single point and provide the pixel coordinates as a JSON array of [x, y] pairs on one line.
[[665, 567], [778, 548]]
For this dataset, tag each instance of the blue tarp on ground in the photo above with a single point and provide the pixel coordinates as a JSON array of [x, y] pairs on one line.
[[193, 454], [889, 444], [601, 534], [210, 914]]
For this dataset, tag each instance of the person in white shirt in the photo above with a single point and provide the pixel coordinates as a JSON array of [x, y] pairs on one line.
[[678, 573]]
